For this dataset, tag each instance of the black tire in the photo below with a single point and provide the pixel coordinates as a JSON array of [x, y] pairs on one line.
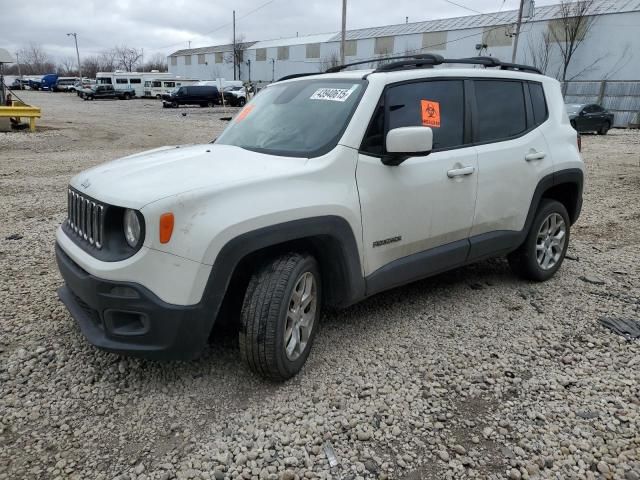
[[127, 96], [264, 315], [158, 97], [524, 260], [210, 104], [174, 104], [573, 124], [604, 128], [241, 102]]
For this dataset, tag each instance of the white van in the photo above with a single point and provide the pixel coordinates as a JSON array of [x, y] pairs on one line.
[[160, 86]]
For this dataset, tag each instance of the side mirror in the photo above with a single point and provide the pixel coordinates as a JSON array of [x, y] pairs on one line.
[[405, 142]]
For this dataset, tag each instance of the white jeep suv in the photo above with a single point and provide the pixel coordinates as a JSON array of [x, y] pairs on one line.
[[324, 190]]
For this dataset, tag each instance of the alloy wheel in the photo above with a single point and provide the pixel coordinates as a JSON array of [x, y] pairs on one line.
[[301, 313], [550, 241]]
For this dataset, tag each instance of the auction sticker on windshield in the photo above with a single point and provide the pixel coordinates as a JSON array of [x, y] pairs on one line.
[[333, 94]]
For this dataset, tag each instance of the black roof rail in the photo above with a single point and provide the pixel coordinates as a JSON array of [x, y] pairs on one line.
[[420, 56], [297, 75], [423, 60], [428, 61]]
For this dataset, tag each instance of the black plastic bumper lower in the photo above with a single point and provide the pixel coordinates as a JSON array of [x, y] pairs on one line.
[[127, 318]]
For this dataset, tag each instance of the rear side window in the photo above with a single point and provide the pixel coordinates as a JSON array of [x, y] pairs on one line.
[[501, 110], [438, 104], [538, 102]]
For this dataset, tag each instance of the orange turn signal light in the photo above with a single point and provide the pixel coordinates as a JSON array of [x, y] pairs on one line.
[[166, 227]]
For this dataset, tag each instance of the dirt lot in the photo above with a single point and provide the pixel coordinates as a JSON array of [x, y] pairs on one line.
[[471, 374]]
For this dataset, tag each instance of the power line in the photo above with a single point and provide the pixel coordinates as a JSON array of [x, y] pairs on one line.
[[226, 24], [477, 11]]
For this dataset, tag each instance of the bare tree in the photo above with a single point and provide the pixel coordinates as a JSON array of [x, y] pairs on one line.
[[570, 30], [35, 60], [90, 66], [238, 53], [127, 58], [329, 61], [67, 66], [538, 52], [157, 62], [107, 61]]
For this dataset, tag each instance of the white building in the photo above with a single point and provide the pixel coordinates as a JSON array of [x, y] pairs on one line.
[[611, 49]]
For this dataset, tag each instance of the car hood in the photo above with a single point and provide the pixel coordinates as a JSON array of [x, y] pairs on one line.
[[140, 179]]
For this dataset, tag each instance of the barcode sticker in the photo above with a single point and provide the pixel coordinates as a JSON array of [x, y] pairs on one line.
[[333, 94]]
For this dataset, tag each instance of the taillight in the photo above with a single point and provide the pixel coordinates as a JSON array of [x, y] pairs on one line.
[[579, 142]]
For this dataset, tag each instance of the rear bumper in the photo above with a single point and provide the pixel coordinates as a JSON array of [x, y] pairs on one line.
[[128, 318]]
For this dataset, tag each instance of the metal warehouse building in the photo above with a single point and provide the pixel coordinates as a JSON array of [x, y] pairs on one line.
[[610, 51]]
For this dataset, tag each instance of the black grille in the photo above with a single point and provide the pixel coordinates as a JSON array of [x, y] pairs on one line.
[[85, 218]]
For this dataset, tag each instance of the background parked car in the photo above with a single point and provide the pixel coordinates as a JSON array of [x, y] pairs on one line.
[[235, 96], [203, 95], [81, 85], [64, 84], [107, 91], [18, 84], [589, 117]]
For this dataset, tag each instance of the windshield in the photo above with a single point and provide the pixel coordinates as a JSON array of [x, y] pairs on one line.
[[301, 119], [573, 108]]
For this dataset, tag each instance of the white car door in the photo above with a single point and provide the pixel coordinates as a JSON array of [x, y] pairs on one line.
[[513, 156], [416, 216]]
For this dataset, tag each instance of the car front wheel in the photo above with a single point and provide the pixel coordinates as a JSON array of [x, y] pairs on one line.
[[545, 246], [280, 316]]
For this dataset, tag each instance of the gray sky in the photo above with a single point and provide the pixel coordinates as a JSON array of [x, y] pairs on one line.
[[167, 25]]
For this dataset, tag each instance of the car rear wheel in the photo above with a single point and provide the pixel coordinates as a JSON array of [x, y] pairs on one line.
[[542, 253], [241, 102], [127, 96], [280, 316], [174, 104], [604, 128]]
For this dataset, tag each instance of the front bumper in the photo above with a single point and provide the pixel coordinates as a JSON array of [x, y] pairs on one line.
[[128, 318]]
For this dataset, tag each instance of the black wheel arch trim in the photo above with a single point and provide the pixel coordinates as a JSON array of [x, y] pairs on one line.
[[332, 234]]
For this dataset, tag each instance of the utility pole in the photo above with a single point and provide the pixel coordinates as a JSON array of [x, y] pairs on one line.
[[515, 42], [344, 29], [273, 69], [75, 37], [234, 44], [19, 71], [249, 65]]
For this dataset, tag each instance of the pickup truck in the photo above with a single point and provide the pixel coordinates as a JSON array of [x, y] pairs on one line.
[[107, 91]]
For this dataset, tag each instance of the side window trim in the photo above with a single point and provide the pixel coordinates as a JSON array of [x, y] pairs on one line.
[[528, 105], [466, 134], [544, 99]]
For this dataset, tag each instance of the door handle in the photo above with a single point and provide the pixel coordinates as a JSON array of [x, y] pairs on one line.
[[461, 172], [534, 156]]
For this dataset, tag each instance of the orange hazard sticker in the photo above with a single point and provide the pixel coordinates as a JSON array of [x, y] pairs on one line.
[[244, 112], [430, 113]]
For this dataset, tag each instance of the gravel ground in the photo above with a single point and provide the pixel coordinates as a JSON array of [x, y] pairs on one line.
[[471, 374]]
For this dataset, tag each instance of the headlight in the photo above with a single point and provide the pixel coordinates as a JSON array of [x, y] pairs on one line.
[[132, 228]]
